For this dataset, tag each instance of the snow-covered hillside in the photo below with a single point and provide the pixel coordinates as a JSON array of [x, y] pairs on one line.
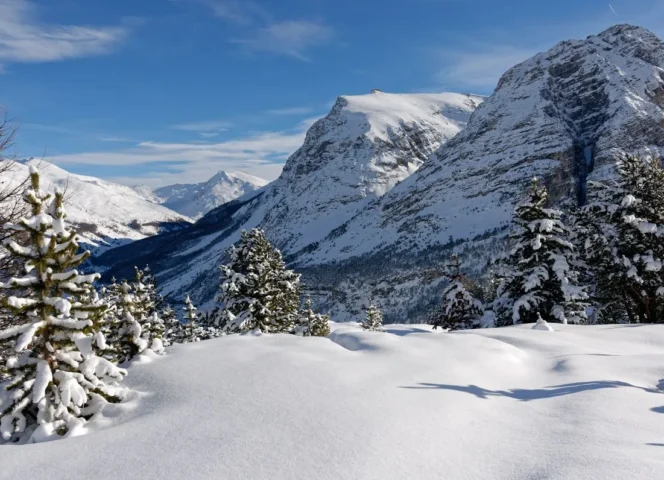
[[562, 116], [351, 157], [195, 200], [105, 214], [514, 403]]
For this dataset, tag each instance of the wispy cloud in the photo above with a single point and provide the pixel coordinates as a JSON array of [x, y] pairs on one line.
[[24, 39], [261, 154], [243, 12], [114, 139], [292, 38], [290, 111], [263, 34], [207, 126], [480, 68]]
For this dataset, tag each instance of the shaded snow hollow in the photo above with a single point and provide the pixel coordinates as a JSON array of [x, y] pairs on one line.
[[512, 403]]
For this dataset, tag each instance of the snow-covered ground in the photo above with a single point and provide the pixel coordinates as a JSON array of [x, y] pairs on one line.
[[513, 403]]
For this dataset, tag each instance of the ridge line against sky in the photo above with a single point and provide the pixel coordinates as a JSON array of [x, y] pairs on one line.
[[171, 91]]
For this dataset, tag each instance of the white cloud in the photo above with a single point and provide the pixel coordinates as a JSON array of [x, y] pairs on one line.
[[290, 111], [481, 69], [24, 39], [292, 38], [206, 126], [237, 11], [261, 154]]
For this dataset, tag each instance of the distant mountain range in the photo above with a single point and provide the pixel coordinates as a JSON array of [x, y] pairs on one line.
[[195, 200], [357, 216], [106, 214]]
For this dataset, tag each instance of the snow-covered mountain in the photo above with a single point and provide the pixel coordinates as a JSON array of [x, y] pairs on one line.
[[195, 200], [563, 115], [351, 157], [105, 214]]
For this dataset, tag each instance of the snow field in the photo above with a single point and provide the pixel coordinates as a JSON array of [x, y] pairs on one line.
[[512, 403]]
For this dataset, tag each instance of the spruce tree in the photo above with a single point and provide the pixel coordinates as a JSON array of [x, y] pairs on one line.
[[56, 379], [191, 331], [257, 291], [621, 235], [539, 274], [144, 310], [460, 309], [373, 321], [310, 323]]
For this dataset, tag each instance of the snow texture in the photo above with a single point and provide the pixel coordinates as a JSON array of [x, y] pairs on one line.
[[585, 403]]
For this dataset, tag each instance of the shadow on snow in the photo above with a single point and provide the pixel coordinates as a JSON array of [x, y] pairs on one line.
[[526, 395]]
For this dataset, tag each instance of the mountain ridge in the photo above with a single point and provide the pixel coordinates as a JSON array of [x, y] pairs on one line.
[[562, 115]]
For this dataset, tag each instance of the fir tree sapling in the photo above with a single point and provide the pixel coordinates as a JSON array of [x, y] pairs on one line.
[[460, 309], [539, 274], [258, 292], [373, 321], [312, 324], [191, 330], [56, 379]]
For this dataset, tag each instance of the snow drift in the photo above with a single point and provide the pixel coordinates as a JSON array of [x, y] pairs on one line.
[[514, 403]]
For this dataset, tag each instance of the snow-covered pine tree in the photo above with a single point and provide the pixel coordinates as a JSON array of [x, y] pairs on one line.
[[128, 339], [145, 310], [56, 379], [209, 324], [460, 309], [373, 321], [538, 275], [172, 326], [257, 291], [310, 323], [191, 330], [621, 234]]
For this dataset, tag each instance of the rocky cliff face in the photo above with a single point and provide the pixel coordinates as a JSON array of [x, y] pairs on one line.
[[562, 115]]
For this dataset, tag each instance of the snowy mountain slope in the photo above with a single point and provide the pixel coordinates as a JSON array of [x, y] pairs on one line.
[[105, 214], [351, 157], [562, 115], [580, 403], [195, 200]]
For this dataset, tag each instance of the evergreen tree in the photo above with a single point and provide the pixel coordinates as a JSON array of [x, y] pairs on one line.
[[257, 291], [460, 309], [209, 324], [56, 379], [312, 324], [539, 274], [621, 235], [191, 330], [144, 310], [374, 318]]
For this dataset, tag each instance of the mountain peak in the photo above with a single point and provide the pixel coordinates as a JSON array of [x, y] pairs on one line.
[[626, 30]]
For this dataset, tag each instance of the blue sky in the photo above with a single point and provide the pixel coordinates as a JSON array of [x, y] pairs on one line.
[[166, 91]]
